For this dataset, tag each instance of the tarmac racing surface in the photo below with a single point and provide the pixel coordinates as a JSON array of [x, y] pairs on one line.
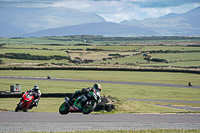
[[52, 122]]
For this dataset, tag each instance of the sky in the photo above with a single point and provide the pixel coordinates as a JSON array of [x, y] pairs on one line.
[[113, 10]]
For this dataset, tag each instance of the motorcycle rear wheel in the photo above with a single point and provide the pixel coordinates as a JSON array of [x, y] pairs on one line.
[[88, 108], [25, 110], [64, 108]]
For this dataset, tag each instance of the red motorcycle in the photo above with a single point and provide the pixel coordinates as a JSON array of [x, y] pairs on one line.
[[25, 102]]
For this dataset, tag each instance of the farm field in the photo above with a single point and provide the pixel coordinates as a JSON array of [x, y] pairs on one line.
[[33, 52], [91, 51]]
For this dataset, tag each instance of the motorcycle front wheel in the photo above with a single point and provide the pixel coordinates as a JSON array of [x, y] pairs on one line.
[[18, 107], [64, 108], [89, 106]]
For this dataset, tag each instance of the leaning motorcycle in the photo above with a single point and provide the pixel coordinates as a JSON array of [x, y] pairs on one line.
[[25, 102], [85, 103]]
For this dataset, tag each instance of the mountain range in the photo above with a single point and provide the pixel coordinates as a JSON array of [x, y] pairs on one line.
[[38, 22]]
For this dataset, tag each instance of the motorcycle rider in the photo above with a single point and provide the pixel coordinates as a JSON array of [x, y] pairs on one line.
[[96, 88], [37, 94]]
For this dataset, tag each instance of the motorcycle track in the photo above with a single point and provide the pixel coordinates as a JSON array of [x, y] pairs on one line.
[[52, 122], [102, 81], [118, 82]]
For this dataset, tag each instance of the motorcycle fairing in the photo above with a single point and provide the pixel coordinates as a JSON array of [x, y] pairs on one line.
[[74, 108], [27, 97], [26, 100], [79, 101], [95, 95]]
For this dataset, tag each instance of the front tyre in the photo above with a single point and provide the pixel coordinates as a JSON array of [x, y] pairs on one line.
[[89, 106], [64, 108], [18, 107]]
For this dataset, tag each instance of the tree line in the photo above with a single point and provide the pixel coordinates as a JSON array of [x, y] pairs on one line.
[[102, 38]]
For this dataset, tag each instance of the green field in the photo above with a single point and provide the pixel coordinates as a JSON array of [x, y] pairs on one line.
[[170, 48], [177, 53], [100, 40], [34, 52], [47, 46]]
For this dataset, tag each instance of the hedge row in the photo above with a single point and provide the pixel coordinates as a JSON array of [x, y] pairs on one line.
[[155, 69], [4, 94], [32, 57]]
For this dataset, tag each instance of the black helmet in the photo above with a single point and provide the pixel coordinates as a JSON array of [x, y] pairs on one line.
[[97, 87]]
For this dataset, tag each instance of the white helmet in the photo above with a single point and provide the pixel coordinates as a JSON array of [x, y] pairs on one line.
[[36, 87]]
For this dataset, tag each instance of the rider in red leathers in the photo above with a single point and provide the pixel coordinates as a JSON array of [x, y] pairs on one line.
[[37, 94]]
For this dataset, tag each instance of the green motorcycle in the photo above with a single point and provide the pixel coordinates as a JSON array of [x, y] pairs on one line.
[[85, 103]]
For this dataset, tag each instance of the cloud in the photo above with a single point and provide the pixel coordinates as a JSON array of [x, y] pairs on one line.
[[114, 10], [165, 3]]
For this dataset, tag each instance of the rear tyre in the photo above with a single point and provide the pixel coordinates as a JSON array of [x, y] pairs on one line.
[[64, 108], [89, 106], [25, 110]]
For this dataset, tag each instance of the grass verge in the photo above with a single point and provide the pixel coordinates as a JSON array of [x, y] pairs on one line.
[[129, 76]]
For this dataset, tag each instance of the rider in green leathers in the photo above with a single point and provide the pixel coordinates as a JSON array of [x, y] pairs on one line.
[[96, 88]]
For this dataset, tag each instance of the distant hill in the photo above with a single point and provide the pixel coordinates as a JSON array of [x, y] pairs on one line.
[[172, 24], [101, 28], [38, 22], [35, 19], [7, 30]]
